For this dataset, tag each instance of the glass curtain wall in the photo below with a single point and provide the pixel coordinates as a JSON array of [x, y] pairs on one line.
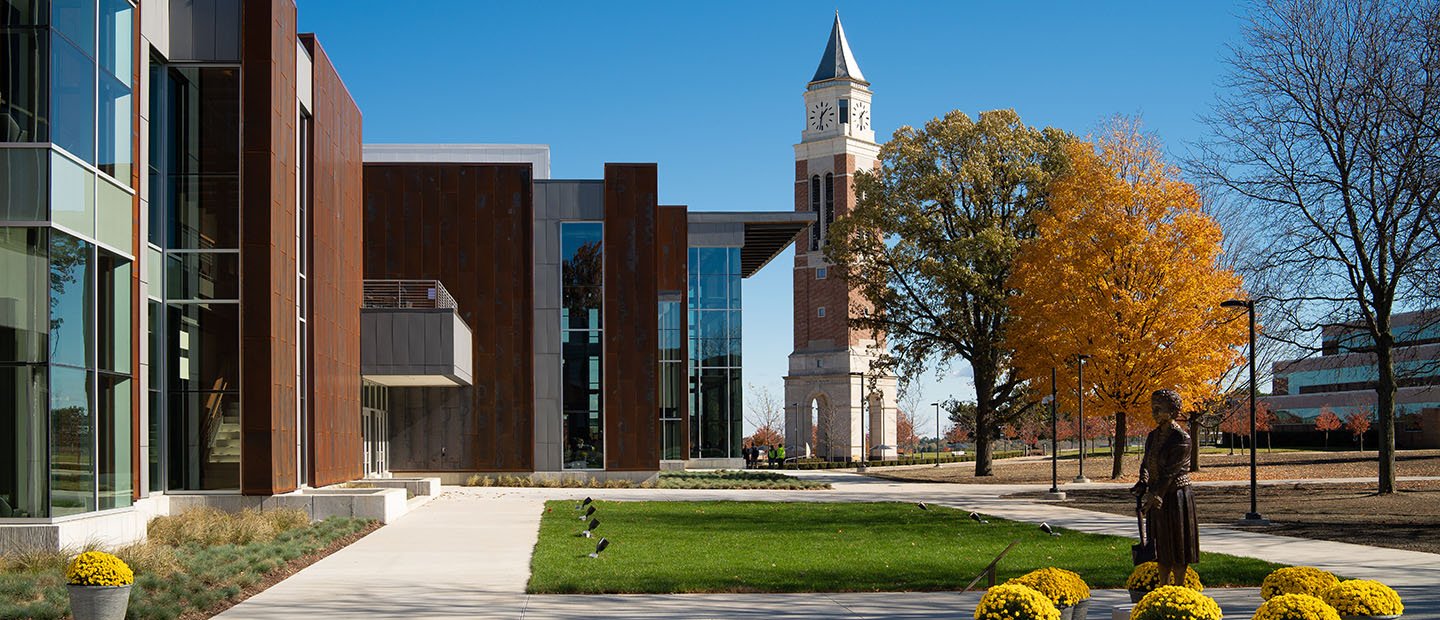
[[66, 236], [194, 167], [582, 344], [672, 377], [716, 417]]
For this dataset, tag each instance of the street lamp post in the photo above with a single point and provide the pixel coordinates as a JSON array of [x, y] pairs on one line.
[[1054, 443], [937, 434], [1080, 399], [798, 425], [1253, 517]]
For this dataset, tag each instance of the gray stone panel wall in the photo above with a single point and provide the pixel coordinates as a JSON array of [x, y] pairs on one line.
[[432, 429], [415, 342]]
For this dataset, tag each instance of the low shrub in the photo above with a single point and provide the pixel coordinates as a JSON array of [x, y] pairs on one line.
[[1175, 603], [1363, 597], [1295, 607], [1011, 601], [1146, 577], [1297, 580], [97, 568], [210, 526], [1064, 588]]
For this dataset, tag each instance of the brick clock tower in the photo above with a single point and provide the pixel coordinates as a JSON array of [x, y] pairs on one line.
[[833, 398]]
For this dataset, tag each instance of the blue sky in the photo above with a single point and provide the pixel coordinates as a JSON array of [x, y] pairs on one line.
[[712, 91]]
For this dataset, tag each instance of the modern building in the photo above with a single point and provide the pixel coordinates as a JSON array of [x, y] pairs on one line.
[[831, 388], [604, 328], [1343, 380]]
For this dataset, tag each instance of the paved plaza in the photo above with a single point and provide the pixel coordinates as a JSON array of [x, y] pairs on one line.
[[467, 554]]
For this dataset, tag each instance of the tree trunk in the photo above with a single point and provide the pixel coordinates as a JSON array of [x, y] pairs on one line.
[[1327, 440], [1385, 406], [984, 420], [1194, 443], [1117, 447]]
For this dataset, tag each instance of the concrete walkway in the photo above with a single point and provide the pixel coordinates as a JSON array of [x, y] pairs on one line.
[[467, 554]]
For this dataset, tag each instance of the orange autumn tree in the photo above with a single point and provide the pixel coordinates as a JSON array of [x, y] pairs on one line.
[[1124, 268], [1327, 421]]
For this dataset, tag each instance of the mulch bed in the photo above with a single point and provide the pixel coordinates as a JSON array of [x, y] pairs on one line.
[[1353, 513], [280, 574]]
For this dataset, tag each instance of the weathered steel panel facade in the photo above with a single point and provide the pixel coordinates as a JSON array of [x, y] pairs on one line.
[[632, 427]]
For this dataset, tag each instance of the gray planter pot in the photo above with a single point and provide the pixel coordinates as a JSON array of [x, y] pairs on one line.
[[1067, 613], [1082, 609], [1136, 595], [99, 602]]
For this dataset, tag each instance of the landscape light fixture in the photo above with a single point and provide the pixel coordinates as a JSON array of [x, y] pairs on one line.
[[582, 505], [1045, 527], [600, 546], [1080, 398], [594, 523], [1253, 517], [588, 511], [975, 516], [937, 434], [922, 505]]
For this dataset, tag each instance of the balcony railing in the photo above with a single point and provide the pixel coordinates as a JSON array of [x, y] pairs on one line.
[[407, 294]]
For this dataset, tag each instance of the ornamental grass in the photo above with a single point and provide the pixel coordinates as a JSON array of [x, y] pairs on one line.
[[1011, 601], [1295, 607], [1064, 588], [1146, 577], [1297, 580], [1363, 597], [1175, 603], [97, 568]]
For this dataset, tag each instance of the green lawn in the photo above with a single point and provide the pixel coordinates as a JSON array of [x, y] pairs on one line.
[[818, 547]]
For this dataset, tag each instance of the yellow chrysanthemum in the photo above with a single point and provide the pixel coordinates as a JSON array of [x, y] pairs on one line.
[[1363, 597], [97, 568], [1175, 603], [1295, 607], [1146, 577], [1012, 601], [1297, 580], [1064, 588]]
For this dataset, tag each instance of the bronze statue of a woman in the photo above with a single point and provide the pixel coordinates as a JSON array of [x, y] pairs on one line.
[[1164, 488]]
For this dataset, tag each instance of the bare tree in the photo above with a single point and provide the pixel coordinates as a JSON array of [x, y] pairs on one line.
[[1325, 132], [767, 414]]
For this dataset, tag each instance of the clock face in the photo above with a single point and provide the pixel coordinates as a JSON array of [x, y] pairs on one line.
[[862, 116], [822, 115]]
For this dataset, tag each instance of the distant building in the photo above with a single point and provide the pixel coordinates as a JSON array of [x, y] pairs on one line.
[[1343, 378]]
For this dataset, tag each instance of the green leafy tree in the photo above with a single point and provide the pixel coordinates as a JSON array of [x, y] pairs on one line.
[[930, 245]]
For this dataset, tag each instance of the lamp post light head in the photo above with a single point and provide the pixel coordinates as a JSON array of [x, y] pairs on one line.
[[1237, 303]]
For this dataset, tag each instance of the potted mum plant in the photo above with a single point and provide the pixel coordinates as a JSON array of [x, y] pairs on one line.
[[1009, 601], [99, 586], [1364, 599], [1295, 607], [1146, 577], [1175, 603], [1065, 589], [1297, 580]]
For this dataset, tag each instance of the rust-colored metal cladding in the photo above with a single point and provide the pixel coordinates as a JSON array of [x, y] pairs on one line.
[[672, 256], [632, 427], [335, 278], [267, 249], [470, 227]]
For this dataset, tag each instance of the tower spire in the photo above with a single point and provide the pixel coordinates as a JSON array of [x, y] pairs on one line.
[[838, 62]]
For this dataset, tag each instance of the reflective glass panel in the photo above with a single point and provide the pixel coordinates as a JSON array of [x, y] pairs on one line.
[[24, 280], [202, 275], [72, 195], [25, 13], [204, 212], [22, 183], [581, 372], [113, 287], [72, 99], [116, 122], [204, 347], [204, 120], [71, 317], [117, 39], [23, 82], [76, 20], [72, 462], [23, 408], [114, 481], [115, 215]]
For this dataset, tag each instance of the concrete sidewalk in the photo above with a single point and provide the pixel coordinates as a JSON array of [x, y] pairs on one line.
[[467, 554]]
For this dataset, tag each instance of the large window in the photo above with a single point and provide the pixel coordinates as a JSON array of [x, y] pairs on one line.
[[672, 378], [815, 208], [24, 401], [716, 426], [582, 344]]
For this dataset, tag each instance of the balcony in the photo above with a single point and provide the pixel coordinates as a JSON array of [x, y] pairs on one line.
[[411, 335]]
